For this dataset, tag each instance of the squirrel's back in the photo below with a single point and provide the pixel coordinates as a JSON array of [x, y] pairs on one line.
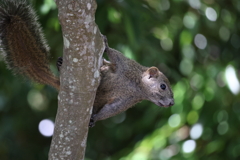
[[24, 46]]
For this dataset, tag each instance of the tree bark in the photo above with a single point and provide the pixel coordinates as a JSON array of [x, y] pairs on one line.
[[79, 78]]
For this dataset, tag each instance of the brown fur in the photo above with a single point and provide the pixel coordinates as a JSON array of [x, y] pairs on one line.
[[25, 49], [124, 82], [127, 84]]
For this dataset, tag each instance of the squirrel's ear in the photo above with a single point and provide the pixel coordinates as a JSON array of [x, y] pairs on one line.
[[153, 72]]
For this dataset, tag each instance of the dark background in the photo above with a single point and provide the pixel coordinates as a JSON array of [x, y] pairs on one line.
[[195, 43]]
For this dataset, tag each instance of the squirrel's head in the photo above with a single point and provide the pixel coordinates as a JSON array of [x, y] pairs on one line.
[[157, 87]]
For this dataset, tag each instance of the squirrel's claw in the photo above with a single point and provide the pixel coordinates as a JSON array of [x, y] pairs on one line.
[[106, 43], [59, 63], [92, 121]]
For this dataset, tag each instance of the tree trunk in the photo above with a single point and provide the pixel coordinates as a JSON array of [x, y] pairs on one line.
[[79, 77]]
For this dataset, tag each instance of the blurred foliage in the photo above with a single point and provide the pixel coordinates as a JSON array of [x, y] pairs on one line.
[[195, 43]]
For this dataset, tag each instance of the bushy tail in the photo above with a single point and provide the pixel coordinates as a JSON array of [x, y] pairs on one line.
[[23, 43]]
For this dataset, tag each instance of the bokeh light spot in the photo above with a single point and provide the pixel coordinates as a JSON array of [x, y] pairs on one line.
[[179, 91], [186, 66], [186, 38], [196, 81], [211, 14], [127, 51], [222, 128], [189, 146], [139, 156], [214, 146], [200, 41], [222, 116], [220, 79], [194, 3], [174, 120], [182, 133], [166, 44], [224, 33], [46, 127], [169, 152], [209, 93], [189, 20], [160, 32], [197, 102], [36, 100], [164, 5], [226, 16], [119, 118], [114, 16], [236, 150], [196, 131], [188, 52], [192, 117], [47, 6], [232, 80]]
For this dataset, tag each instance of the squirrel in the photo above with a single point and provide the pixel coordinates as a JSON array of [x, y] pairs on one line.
[[123, 83]]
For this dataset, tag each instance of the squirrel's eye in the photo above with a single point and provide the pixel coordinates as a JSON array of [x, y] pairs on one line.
[[163, 86]]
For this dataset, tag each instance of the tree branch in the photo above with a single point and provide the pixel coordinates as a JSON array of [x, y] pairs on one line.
[[80, 77]]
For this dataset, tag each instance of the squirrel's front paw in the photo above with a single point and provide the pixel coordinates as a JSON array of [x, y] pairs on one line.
[[106, 43], [92, 121], [59, 63]]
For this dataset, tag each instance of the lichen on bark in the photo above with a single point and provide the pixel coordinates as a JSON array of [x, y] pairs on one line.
[[79, 77]]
